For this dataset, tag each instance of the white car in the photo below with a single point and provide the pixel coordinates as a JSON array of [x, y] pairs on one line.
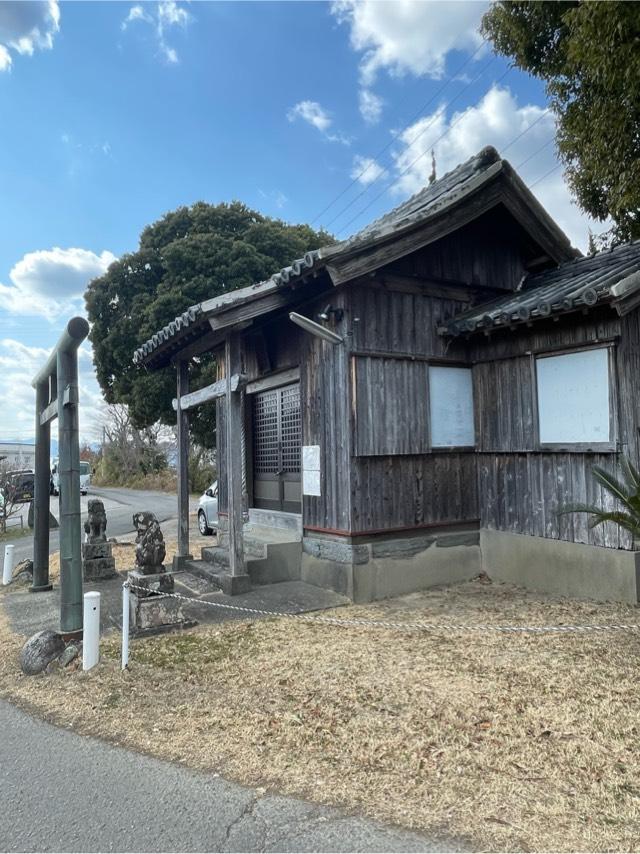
[[208, 510]]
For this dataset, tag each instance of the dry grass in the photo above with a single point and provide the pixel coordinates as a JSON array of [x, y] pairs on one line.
[[125, 554], [507, 741]]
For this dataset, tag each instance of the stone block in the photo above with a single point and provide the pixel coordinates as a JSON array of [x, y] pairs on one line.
[[232, 585], [155, 612], [99, 569], [93, 551], [152, 583]]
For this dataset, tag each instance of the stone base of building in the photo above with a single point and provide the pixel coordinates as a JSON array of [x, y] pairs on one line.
[[390, 565], [98, 563], [561, 568]]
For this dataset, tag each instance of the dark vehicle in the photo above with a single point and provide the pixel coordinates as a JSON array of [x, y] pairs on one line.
[[19, 486]]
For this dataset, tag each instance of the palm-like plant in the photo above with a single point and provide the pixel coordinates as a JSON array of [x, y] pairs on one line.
[[626, 491]]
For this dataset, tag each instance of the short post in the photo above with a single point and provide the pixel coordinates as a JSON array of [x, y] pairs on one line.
[[7, 570], [125, 625], [91, 631]]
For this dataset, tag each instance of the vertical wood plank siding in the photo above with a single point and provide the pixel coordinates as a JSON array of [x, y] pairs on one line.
[[391, 406], [324, 387], [522, 488], [485, 252]]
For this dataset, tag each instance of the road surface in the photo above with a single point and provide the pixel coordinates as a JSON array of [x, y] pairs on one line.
[[120, 505], [65, 792]]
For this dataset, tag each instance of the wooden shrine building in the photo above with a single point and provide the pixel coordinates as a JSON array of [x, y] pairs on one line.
[[411, 406]]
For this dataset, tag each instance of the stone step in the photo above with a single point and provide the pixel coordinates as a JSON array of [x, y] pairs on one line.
[[274, 519], [218, 575], [215, 555]]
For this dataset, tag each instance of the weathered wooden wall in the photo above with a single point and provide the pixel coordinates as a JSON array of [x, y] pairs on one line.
[[324, 384], [521, 487], [396, 483], [487, 252]]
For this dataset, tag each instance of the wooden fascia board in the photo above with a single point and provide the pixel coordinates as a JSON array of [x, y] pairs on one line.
[[395, 247], [249, 310], [528, 211]]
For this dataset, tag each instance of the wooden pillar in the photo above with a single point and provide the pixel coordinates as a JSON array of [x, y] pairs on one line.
[[183, 467], [41, 498], [233, 359]]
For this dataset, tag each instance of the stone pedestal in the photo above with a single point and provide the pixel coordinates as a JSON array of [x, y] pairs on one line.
[[151, 609], [98, 562]]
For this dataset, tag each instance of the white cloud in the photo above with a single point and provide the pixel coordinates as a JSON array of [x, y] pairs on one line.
[[370, 106], [366, 170], [19, 363], [409, 36], [51, 282], [26, 27], [497, 119], [5, 58], [311, 112], [163, 17], [316, 116]]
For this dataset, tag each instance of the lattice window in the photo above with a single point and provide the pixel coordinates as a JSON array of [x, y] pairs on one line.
[[291, 426], [265, 432]]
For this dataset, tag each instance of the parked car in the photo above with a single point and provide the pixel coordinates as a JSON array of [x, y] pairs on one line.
[[19, 487], [208, 510]]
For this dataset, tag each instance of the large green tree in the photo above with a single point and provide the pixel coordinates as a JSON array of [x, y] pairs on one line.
[[588, 54], [191, 254]]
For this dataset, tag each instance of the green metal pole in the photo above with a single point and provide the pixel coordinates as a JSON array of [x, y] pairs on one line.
[[69, 468], [41, 496]]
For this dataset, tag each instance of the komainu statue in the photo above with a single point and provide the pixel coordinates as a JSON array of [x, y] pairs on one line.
[[95, 524], [150, 547]]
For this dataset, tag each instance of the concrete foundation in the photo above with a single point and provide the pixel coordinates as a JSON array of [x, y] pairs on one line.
[[562, 568], [382, 568]]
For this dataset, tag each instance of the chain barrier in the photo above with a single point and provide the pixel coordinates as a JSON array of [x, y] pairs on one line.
[[404, 626]]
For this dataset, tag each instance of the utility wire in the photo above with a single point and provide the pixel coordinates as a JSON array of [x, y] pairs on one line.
[[535, 153], [406, 127], [411, 164], [546, 175], [415, 139]]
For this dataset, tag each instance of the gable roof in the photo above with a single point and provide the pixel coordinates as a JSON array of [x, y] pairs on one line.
[[612, 276], [441, 207]]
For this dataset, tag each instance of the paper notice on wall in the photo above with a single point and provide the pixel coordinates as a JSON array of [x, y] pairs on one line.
[[311, 469]]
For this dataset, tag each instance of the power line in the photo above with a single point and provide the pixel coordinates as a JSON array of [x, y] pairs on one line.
[[546, 175], [413, 162], [527, 129], [417, 137], [536, 152], [407, 125]]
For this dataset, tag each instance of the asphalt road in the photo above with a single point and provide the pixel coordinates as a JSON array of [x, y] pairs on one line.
[[120, 505], [65, 792]]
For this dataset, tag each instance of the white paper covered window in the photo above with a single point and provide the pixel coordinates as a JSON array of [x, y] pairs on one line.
[[573, 397], [451, 407]]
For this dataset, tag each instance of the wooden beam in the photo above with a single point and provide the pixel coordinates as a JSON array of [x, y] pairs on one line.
[[203, 395], [292, 375], [49, 413], [233, 365], [183, 467], [249, 310]]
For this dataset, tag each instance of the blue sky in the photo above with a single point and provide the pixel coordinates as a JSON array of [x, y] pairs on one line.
[[114, 113]]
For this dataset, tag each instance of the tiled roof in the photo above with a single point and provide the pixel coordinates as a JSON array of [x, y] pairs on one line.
[[424, 205], [187, 318], [571, 286]]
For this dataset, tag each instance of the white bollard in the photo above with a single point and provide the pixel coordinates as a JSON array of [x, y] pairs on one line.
[[7, 569], [125, 626], [91, 631]]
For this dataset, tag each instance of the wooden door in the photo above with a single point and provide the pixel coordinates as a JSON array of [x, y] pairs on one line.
[[276, 449]]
